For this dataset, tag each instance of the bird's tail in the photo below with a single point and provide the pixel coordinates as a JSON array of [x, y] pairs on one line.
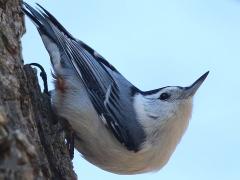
[[52, 33], [44, 21]]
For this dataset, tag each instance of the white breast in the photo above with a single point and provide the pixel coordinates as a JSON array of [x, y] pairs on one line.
[[100, 147]]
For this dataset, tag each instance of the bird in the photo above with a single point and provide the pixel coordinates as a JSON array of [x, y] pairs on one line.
[[117, 127]]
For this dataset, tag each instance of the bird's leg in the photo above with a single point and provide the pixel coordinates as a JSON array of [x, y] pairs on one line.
[[45, 86], [43, 76], [66, 126]]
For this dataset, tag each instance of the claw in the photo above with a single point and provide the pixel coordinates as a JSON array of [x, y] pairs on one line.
[[43, 76]]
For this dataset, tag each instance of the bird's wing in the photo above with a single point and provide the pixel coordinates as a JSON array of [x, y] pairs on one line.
[[104, 92]]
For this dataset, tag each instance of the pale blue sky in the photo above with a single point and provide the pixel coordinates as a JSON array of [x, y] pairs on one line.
[[156, 43]]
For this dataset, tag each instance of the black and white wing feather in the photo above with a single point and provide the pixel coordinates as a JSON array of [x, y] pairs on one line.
[[111, 98]]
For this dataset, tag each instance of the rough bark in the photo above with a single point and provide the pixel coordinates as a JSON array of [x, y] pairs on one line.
[[31, 145]]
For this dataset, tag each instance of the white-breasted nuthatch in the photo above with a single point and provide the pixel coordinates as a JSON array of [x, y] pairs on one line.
[[118, 127]]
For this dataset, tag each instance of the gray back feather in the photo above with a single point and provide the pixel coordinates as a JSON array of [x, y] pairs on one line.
[[110, 93]]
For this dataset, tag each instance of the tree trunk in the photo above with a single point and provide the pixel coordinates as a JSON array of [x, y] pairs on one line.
[[31, 145]]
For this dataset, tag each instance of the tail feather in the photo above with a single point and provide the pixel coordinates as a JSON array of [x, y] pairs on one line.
[[44, 21], [54, 21], [52, 31], [49, 29], [37, 18]]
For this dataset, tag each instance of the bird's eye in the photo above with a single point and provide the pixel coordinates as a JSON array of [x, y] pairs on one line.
[[164, 96]]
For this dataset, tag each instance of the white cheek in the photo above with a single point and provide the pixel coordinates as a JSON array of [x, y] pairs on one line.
[[151, 114], [138, 105], [177, 110], [167, 110]]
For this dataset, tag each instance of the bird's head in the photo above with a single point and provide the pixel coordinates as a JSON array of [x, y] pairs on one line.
[[169, 103]]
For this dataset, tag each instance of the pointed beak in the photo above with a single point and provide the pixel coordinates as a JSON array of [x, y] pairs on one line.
[[191, 90]]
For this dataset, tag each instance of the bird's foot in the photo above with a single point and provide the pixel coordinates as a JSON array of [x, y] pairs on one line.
[[43, 76]]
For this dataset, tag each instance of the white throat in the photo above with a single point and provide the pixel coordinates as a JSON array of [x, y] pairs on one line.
[[163, 131]]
